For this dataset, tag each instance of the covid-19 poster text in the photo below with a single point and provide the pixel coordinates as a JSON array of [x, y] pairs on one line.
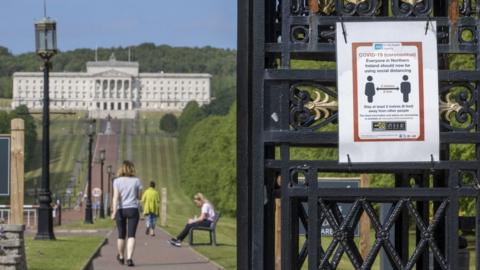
[[388, 91]]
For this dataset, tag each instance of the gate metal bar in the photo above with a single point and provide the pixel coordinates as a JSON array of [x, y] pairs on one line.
[[272, 118]]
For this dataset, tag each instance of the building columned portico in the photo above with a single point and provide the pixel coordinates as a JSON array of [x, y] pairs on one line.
[[113, 88]]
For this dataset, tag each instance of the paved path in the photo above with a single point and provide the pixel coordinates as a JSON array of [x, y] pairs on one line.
[[153, 253]]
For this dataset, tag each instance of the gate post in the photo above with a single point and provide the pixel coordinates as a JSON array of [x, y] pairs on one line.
[[244, 137]]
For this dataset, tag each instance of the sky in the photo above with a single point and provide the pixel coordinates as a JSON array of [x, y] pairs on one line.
[[114, 23]]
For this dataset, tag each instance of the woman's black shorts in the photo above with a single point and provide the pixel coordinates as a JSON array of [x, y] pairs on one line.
[[127, 221]]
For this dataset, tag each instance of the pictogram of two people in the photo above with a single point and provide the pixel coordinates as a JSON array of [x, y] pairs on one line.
[[405, 89]]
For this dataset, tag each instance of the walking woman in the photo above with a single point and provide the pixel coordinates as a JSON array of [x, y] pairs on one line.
[[151, 208], [126, 192], [207, 216]]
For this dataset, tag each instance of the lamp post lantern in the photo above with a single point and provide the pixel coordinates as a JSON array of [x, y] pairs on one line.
[[109, 182], [46, 48], [88, 203], [102, 162]]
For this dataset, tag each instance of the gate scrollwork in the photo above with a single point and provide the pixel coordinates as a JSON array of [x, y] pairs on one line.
[[457, 106], [357, 7], [309, 112], [419, 8]]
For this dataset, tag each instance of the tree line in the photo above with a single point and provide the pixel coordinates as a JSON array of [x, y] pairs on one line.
[[207, 149]]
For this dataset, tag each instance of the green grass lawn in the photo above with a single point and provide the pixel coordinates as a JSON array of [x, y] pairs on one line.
[[66, 253], [106, 223]]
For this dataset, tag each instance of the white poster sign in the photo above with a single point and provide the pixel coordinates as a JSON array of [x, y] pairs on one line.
[[387, 91]]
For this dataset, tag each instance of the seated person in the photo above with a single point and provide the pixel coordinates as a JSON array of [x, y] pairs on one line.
[[206, 218]]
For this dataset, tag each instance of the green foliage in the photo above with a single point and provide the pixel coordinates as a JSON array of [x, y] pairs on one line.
[[208, 160], [168, 123], [462, 62], [5, 87], [310, 64], [220, 105], [30, 130], [191, 115], [4, 122]]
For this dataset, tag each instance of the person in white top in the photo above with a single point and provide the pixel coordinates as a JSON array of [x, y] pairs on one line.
[[207, 216], [126, 192]]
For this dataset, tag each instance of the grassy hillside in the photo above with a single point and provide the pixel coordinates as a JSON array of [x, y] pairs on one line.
[[67, 147]]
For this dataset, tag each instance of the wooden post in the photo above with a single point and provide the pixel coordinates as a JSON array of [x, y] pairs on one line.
[[278, 234], [364, 223], [17, 171], [278, 227], [163, 209]]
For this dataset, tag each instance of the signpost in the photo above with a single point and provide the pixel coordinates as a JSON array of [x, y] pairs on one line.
[[388, 89], [5, 161], [326, 229]]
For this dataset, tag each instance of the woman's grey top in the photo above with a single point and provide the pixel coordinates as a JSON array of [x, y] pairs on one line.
[[128, 191]]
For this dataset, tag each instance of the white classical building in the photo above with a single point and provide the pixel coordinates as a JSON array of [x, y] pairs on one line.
[[114, 88]]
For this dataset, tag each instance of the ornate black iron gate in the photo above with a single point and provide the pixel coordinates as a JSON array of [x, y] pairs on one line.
[[278, 110]]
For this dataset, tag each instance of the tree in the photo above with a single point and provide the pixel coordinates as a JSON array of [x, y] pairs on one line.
[[209, 158], [220, 105], [4, 122], [191, 115], [5, 87], [30, 130], [168, 123]]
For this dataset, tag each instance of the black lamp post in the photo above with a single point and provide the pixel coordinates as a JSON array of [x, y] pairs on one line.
[[109, 202], [88, 203], [102, 162], [46, 48]]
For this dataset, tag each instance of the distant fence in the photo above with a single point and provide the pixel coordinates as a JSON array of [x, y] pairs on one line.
[[29, 215]]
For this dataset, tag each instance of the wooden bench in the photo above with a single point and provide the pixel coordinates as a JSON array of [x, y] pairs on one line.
[[211, 230]]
